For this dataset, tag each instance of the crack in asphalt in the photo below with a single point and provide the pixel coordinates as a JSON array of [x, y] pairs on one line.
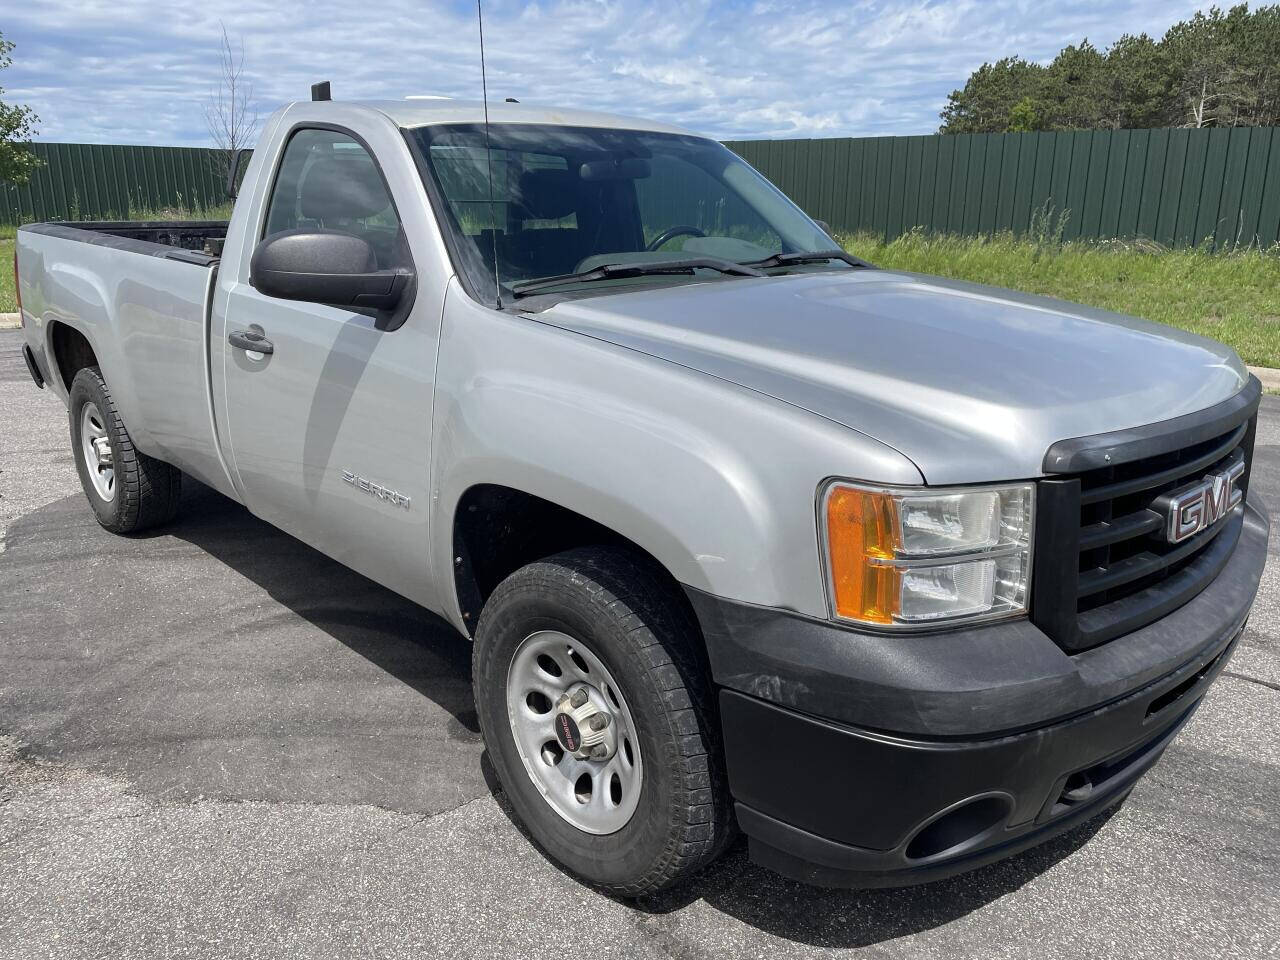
[[1271, 684], [422, 818]]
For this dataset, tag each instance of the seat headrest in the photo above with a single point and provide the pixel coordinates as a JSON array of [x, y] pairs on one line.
[[342, 188], [548, 194]]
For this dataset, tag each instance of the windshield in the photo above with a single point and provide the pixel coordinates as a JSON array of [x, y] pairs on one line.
[[569, 199]]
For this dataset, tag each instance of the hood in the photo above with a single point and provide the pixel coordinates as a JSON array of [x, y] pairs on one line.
[[971, 383]]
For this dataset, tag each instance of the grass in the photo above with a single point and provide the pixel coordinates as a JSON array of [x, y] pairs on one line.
[[8, 297], [1229, 296]]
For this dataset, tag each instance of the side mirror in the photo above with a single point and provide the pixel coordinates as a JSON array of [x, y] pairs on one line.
[[826, 228], [337, 269]]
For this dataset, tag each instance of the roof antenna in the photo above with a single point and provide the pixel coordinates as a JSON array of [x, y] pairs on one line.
[[493, 220], [320, 91]]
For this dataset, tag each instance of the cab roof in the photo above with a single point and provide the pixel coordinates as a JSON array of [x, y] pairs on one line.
[[422, 112]]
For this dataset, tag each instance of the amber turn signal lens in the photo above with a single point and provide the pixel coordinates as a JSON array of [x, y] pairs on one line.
[[862, 527]]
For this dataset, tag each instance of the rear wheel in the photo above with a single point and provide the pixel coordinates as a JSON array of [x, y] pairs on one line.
[[128, 490], [598, 716]]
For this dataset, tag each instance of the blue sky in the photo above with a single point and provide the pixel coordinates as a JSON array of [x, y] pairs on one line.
[[120, 71]]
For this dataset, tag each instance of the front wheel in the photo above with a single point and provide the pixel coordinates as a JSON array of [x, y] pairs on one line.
[[598, 716]]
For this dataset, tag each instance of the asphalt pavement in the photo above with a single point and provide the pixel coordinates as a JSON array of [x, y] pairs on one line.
[[215, 742]]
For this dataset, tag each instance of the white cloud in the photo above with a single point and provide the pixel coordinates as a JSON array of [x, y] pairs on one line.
[[132, 72]]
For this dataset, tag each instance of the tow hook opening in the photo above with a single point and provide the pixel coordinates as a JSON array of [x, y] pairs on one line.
[[1170, 697], [960, 827]]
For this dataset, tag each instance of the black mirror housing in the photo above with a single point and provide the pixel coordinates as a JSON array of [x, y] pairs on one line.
[[332, 268]]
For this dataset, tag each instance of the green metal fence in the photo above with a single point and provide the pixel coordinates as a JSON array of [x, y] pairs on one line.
[[1177, 187], [81, 181]]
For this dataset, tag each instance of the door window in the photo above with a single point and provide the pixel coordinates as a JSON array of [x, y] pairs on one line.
[[328, 183]]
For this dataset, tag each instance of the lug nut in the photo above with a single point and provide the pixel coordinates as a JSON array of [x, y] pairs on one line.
[[599, 721], [599, 751], [579, 697]]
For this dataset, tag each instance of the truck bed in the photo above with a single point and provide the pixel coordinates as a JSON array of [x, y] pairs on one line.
[[139, 293], [191, 241]]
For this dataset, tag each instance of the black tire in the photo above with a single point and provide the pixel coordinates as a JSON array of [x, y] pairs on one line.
[[146, 489], [627, 613]]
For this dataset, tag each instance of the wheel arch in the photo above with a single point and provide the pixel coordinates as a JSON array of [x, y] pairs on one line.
[[496, 529], [71, 351]]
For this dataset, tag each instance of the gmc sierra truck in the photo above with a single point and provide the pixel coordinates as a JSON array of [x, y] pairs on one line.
[[896, 575]]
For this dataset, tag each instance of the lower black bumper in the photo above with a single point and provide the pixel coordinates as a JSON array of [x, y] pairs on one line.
[[869, 760], [840, 806]]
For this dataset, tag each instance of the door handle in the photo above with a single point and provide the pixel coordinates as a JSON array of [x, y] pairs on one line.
[[251, 341]]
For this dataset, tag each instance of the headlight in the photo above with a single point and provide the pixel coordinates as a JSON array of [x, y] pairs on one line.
[[902, 557]]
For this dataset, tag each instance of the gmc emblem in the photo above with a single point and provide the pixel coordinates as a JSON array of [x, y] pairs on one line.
[[1192, 509]]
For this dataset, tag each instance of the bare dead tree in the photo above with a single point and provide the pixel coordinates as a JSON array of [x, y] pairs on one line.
[[229, 112], [1200, 106]]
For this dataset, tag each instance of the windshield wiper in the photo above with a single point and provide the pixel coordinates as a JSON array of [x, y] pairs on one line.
[[609, 271], [807, 256]]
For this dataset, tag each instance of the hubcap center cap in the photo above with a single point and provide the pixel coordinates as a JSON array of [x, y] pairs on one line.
[[102, 447], [583, 727]]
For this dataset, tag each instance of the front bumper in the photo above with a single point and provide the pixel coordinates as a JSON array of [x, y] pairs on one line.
[[877, 761]]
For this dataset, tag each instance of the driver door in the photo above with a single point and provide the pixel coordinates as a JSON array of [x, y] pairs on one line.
[[330, 431]]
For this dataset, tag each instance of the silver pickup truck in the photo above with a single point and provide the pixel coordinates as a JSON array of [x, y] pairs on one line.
[[896, 575]]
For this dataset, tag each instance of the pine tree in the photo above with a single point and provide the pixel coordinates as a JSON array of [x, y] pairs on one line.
[[1215, 69]]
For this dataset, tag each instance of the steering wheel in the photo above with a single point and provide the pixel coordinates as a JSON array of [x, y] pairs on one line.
[[671, 233]]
